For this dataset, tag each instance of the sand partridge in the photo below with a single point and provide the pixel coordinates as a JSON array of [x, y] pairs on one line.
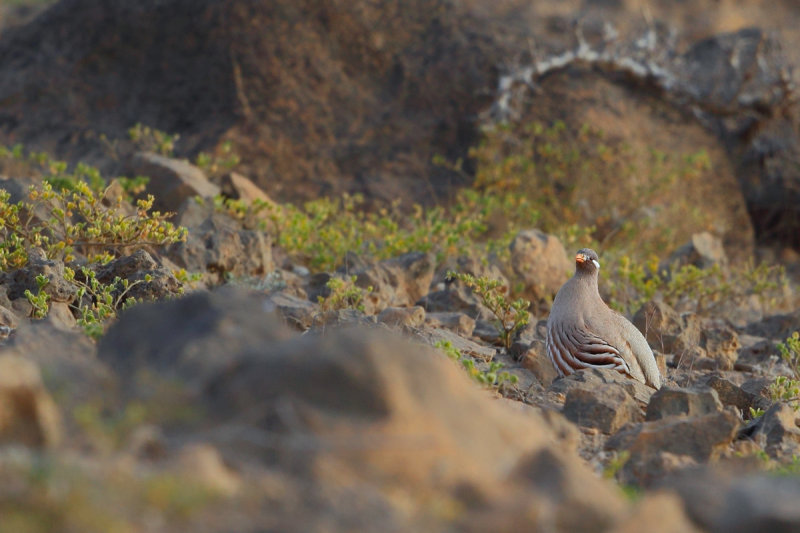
[[583, 332]]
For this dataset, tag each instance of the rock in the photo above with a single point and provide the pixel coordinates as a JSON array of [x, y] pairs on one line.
[[397, 282], [72, 370], [22, 279], [467, 264], [8, 318], [703, 491], [136, 268], [700, 438], [682, 402], [147, 442], [409, 317], [645, 470], [721, 343], [605, 406], [297, 312], [573, 501], [755, 351], [665, 329], [703, 250], [203, 464], [487, 331], [60, 316], [759, 387], [234, 185], [190, 339], [541, 262], [592, 377], [432, 336], [381, 409], [217, 244], [452, 299], [28, 415], [536, 361], [347, 317], [172, 181], [459, 323], [776, 431], [731, 394], [746, 311], [760, 503], [775, 327], [658, 512]]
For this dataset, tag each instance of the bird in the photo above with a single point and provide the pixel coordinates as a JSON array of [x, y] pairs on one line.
[[583, 332]]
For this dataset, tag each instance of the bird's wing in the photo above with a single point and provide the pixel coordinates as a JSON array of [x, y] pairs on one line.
[[574, 346], [640, 350]]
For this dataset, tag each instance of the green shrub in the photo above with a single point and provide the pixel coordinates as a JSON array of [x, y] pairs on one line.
[[491, 376], [76, 220], [344, 294], [510, 316], [787, 388], [321, 232]]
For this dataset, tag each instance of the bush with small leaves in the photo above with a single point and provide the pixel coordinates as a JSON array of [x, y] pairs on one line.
[[321, 232], [344, 294], [40, 301], [97, 303], [509, 316], [787, 388], [629, 285], [490, 377], [150, 139], [76, 220]]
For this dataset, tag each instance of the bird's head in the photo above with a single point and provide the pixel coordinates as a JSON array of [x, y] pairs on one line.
[[586, 261]]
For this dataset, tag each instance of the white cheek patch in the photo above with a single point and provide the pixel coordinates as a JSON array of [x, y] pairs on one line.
[[596, 264]]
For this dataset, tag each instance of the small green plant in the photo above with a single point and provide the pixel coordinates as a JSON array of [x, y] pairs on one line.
[[320, 233], [450, 350], [150, 139], [629, 284], [509, 316], [756, 413], [787, 388], [96, 303], [615, 464], [40, 301], [70, 221], [491, 376], [224, 160], [344, 294]]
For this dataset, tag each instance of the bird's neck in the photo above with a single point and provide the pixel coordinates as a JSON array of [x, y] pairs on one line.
[[589, 283]]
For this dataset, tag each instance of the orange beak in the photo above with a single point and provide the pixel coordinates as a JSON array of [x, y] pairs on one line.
[[580, 258]]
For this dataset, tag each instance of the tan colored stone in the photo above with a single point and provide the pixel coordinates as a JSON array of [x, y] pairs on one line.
[[657, 512], [234, 185], [28, 415], [541, 262]]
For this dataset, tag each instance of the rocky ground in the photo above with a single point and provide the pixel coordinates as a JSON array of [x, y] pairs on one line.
[[259, 384]]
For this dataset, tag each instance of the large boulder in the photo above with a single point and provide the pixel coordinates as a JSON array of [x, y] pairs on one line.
[[278, 79]]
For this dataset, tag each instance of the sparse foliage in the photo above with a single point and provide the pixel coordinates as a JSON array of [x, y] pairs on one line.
[[510, 316], [344, 294], [787, 388], [492, 376]]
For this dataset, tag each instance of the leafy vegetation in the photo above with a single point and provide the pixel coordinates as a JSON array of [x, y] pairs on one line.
[[787, 388], [510, 316], [69, 217], [344, 294], [321, 232], [577, 177], [491, 376], [629, 284]]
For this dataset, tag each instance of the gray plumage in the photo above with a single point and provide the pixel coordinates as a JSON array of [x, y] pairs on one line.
[[583, 332]]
